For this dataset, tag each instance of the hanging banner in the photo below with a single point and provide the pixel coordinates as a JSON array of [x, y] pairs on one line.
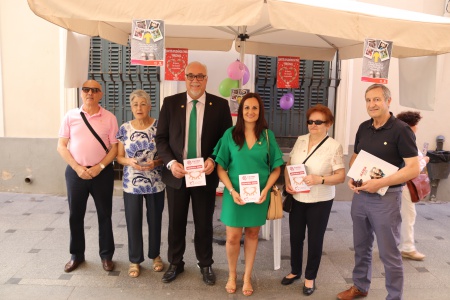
[[288, 72], [235, 99], [176, 62], [147, 42], [376, 60]]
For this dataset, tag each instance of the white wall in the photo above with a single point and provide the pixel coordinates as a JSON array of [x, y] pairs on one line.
[[434, 123], [30, 68]]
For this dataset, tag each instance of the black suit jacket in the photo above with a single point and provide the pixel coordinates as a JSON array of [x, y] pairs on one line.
[[170, 135]]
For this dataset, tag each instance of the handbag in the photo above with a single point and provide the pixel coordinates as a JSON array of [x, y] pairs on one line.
[[275, 210], [419, 187], [287, 202]]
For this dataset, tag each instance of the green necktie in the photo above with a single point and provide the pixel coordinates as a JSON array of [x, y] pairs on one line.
[[192, 137]]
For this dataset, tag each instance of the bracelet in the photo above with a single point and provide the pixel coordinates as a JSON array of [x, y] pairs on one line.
[[231, 191], [212, 159]]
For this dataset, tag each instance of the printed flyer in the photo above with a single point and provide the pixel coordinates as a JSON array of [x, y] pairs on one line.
[[376, 60], [249, 187], [176, 62], [195, 175], [235, 99], [147, 42], [367, 166], [288, 69], [296, 175]]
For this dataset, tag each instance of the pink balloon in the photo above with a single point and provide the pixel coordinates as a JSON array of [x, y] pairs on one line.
[[286, 101], [236, 70], [246, 76]]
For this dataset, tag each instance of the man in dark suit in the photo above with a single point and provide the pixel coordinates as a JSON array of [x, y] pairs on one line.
[[213, 119]]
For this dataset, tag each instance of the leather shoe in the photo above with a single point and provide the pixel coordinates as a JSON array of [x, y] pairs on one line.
[[172, 273], [208, 275], [414, 255], [72, 265], [287, 281], [108, 265], [308, 291], [351, 293]]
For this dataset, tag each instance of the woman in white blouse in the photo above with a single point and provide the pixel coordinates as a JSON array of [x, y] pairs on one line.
[[310, 211]]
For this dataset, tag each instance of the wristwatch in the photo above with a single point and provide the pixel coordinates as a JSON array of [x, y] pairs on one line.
[[102, 166], [169, 165]]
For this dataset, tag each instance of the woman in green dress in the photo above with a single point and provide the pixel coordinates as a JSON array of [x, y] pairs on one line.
[[243, 149]]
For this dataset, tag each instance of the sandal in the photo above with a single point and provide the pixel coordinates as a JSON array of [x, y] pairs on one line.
[[246, 291], [134, 270], [231, 285], [158, 264]]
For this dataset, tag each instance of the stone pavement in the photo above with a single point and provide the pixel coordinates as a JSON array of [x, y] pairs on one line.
[[34, 246]]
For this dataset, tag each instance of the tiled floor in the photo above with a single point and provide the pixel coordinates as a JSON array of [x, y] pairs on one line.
[[34, 248]]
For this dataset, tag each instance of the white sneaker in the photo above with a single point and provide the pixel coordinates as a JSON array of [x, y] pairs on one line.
[[414, 255]]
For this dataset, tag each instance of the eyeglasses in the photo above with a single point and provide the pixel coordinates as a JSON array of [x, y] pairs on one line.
[[87, 89], [199, 77], [317, 122]]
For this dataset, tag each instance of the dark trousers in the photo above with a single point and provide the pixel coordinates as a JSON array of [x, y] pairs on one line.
[[101, 190], [203, 202], [154, 204], [313, 216]]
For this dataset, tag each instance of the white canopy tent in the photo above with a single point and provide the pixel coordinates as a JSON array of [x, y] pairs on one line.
[[311, 29]]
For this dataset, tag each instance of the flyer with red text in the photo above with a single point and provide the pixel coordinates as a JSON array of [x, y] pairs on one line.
[[176, 62], [249, 187], [196, 175], [288, 69]]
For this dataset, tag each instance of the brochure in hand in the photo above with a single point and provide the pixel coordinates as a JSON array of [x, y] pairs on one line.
[[296, 175], [195, 175], [367, 166], [249, 187]]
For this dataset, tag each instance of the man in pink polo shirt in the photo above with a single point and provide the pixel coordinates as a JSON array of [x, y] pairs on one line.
[[89, 171]]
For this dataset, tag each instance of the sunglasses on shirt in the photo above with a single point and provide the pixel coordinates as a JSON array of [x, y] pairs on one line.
[[87, 89], [317, 122], [357, 183]]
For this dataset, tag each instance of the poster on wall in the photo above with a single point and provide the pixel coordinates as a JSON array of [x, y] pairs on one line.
[[235, 99], [376, 60], [176, 62], [147, 42], [288, 72]]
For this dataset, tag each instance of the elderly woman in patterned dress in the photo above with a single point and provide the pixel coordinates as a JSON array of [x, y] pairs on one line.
[[141, 180]]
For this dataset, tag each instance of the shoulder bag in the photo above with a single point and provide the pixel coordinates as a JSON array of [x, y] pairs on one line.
[[275, 210], [419, 187], [287, 203], [94, 133]]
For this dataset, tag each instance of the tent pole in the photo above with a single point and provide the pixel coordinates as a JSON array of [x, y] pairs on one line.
[[243, 37]]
